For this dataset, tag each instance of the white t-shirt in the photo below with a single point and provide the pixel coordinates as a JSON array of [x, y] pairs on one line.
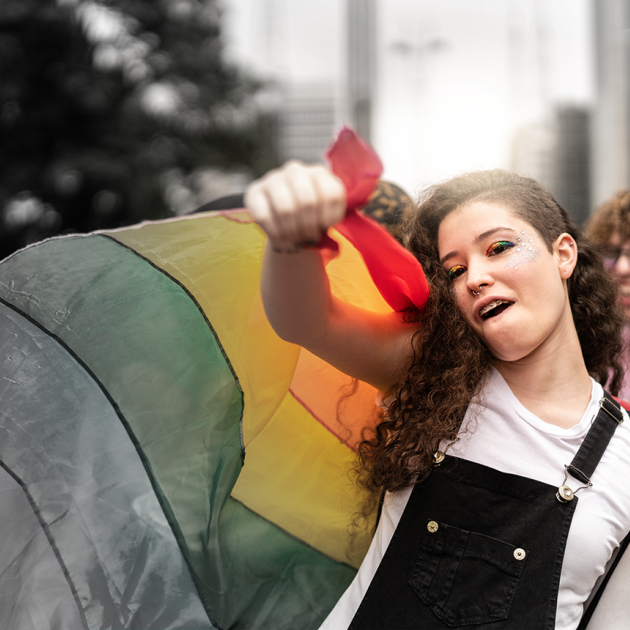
[[498, 431]]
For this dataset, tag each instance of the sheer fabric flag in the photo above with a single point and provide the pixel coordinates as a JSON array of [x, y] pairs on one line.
[[167, 460]]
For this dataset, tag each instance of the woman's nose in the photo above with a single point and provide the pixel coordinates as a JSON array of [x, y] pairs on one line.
[[478, 278]]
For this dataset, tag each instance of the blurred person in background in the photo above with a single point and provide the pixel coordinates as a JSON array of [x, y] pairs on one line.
[[609, 227]]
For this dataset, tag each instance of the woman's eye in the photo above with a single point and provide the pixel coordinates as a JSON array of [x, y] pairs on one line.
[[456, 271], [499, 247]]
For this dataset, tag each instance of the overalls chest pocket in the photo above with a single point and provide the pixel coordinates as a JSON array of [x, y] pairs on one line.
[[466, 578]]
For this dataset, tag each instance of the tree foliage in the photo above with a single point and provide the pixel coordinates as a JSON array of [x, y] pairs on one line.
[[104, 102]]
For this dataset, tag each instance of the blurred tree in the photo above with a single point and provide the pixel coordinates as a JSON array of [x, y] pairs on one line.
[[106, 106]]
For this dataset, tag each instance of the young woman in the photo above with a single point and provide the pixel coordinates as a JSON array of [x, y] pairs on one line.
[[493, 419]]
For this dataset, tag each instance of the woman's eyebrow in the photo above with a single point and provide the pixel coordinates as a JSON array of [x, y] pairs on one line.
[[478, 239]]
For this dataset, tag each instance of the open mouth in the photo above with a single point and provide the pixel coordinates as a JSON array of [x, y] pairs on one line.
[[496, 307]]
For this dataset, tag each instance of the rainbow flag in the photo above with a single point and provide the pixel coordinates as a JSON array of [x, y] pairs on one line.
[[166, 460]]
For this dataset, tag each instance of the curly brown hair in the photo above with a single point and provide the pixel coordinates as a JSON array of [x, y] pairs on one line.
[[613, 216], [449, 360]]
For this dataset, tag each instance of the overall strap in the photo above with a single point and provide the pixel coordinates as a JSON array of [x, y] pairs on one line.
[[586, 459], [582, 467]]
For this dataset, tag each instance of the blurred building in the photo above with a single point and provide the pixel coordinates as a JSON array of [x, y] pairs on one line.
[[571, 164], [611, 115], [556, 152], [308, 118], [361, 65], [297, 48]]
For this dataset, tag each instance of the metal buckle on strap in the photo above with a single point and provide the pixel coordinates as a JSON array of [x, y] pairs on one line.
[[438, 456], [593, 446], [580, 475], [602, 404], [564, 493]]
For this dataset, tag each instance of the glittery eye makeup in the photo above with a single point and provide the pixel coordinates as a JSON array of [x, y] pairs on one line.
[[455, 271], [523, 250], [526, 251], [499, 247]]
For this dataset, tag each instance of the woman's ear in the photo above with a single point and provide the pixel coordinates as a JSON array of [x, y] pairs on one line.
[[566, 252]]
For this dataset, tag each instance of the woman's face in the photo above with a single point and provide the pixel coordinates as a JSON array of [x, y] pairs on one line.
[[617, 261], [510, 288]]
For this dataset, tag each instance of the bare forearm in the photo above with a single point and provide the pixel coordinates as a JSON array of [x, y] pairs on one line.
[[370, 346], [296, 294]]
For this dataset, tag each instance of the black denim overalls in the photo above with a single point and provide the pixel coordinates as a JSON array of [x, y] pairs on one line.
[[481, 549]]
